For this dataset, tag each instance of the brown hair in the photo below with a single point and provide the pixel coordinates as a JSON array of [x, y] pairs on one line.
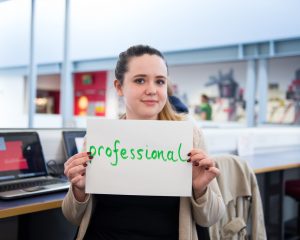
[[205, 97]]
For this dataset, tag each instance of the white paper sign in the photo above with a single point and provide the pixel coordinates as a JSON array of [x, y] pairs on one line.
[[139, 157]]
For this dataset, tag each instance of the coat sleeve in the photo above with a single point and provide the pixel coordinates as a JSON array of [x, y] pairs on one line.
[[210, 207], [74, 210]]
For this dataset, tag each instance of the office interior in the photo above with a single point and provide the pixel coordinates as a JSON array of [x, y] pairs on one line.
[[57, 62]]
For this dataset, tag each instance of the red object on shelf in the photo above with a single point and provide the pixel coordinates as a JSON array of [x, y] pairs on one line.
[[90, 93]]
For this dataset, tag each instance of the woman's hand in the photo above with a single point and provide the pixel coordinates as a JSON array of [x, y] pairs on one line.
[[204, 171], [75, 168]]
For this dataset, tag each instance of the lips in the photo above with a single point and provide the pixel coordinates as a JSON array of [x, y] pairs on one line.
[[149, 102]]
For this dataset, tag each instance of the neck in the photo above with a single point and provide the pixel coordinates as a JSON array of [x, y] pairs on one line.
[[128, 117]]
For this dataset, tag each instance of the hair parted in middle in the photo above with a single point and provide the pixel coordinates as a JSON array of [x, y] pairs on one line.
[[167, 113]]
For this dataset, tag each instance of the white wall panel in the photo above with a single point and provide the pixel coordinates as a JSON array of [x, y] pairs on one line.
[[109, 27], [101, 29], [14, 33], [49, 30], [12, 102]]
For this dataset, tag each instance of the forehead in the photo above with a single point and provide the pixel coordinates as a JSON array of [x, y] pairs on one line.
[[147, 64]]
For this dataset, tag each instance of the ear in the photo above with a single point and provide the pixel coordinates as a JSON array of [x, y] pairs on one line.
[[118, 87]]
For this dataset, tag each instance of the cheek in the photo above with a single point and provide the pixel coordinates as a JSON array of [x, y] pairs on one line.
[[164, 94], [130, 94]]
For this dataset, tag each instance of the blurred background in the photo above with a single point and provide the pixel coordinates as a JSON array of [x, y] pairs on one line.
[[57, 58]]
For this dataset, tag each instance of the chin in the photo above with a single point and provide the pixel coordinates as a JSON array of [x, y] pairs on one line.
[[148, 116]]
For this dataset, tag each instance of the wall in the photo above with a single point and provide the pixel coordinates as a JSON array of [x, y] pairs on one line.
[[12, 102], [14, 32], [100, 29]]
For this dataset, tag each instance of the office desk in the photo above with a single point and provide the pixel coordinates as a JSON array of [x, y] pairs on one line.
[[271, 165], [35, 218], [10, 208], [270, 162], [265, 164], [261, 163]]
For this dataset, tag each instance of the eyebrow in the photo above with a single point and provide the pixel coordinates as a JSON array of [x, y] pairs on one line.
[[144, 75]]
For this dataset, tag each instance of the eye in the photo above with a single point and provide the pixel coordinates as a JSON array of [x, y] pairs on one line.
[[161, 81], [139, 80]]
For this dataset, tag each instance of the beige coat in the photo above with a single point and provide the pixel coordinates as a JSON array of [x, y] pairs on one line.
[[240, 192], [204, 211]]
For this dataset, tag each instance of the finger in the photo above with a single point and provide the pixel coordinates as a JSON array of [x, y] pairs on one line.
[[199, 152], [79, 161], [197, 157], [214, 170], [211, 174], [72, 172], [78, 155], [77, 179], [71, 166], [206, 162], [78, 170]]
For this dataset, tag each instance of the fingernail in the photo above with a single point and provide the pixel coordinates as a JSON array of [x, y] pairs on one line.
[[189, 154], [90, 157], [84, 164], [89, 153], [189, 160]]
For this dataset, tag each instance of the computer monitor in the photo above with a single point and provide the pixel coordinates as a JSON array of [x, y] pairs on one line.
[[21, 156], [73, 142]]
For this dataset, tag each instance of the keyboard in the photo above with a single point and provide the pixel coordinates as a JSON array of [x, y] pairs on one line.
[[29, 184], [29, 187]]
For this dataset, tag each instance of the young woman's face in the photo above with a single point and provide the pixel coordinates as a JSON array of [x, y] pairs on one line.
[[144, 87]]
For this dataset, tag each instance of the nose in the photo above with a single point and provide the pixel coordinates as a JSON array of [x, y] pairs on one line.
[[150, 89]]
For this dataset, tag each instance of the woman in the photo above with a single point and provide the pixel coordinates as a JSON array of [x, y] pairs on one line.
[[142, 79]]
